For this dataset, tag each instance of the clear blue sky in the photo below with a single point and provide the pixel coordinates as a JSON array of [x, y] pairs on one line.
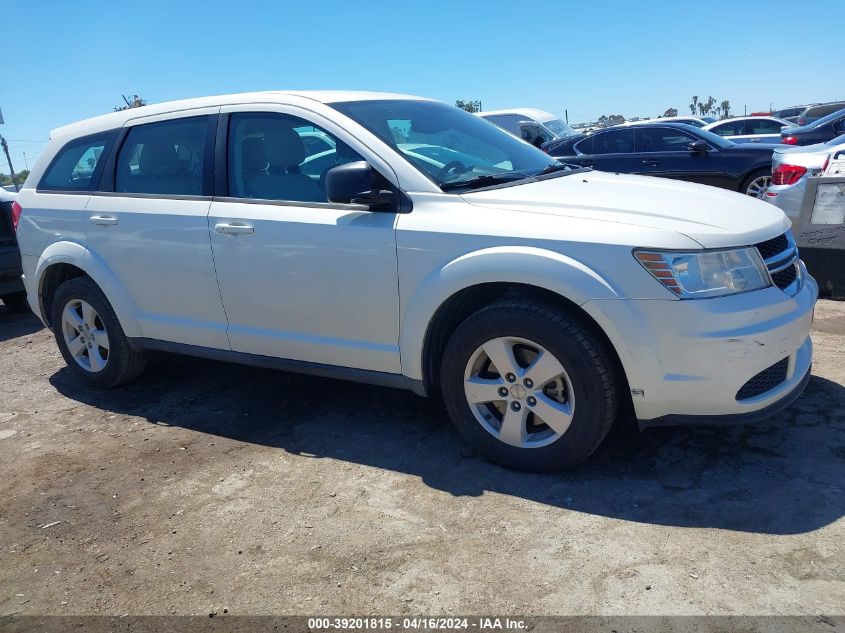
[[68, 61]]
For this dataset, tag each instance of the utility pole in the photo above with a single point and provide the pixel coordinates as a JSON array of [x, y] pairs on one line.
[[9, 160], [6, 150], [567, 116]]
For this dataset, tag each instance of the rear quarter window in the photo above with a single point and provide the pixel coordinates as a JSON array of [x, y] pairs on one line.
[[78, 164]]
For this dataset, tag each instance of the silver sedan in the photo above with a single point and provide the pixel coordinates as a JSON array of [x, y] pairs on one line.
[[791, 166]]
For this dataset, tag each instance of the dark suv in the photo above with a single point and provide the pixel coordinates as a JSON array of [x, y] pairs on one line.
[[12, 291]]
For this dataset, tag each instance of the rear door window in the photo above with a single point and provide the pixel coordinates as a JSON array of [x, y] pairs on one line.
[[615, 142], [166, 158], [730, 128], [763, 126], [78, 163]]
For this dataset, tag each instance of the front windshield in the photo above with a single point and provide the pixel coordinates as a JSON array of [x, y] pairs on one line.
[[559, 128], [447, 144]]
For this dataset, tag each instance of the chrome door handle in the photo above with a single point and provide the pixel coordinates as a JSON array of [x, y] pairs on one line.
[[103, 220], [234, 229]]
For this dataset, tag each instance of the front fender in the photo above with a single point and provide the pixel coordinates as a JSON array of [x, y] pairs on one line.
[[532, 266], [77, 255]]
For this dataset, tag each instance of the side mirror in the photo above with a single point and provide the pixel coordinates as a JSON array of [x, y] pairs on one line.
[[353, 183], [698, 147]]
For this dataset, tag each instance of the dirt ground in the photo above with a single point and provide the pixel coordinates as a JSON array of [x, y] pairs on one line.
[[205, 486]]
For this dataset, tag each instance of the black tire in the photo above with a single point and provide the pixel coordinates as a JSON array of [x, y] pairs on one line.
[[123, 363], [16, 301], [583, 355], [743, 188]]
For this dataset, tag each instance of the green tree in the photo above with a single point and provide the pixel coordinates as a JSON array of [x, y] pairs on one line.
[[693, 105], [670, 112], [726, 108], [20, 177], [469, 105]]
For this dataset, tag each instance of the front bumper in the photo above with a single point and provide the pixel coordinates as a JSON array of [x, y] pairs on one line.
[[686, 360]]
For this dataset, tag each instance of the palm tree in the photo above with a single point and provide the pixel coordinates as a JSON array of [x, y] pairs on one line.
[[726, 108], [693, 105]]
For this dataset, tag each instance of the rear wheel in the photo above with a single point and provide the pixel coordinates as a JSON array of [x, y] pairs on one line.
[[16, 301], [90, 337], [529, 387], [757, 184]]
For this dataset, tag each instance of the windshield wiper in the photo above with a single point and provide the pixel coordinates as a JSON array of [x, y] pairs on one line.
[[557, 167], [484, 181]]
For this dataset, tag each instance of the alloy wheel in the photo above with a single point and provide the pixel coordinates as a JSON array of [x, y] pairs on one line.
[[759, 186], [519, 392], [85, 335]]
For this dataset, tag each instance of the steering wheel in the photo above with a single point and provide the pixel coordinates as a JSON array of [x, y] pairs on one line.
[[457, 166]]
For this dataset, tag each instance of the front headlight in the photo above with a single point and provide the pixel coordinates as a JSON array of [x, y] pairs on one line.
[[702, 274]]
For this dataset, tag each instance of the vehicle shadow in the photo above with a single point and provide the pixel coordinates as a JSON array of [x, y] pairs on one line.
[[14, 324], [782, 477]]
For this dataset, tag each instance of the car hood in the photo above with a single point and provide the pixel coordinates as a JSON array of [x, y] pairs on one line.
[[712, 217]]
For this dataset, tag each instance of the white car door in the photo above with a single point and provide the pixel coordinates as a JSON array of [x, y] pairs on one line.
[[150, 227], [301, 278]]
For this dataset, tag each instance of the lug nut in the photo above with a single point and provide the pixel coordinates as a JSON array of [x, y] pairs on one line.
[[503, 392], [529, 383], [532, 401], [510, 377], [516, 406]]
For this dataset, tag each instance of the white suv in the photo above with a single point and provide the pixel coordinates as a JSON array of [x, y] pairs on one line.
[[425, 248]]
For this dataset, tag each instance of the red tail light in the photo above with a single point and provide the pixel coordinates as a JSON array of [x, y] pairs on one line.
[[802, 121], [16, 214], [787, 174], [789, 140]]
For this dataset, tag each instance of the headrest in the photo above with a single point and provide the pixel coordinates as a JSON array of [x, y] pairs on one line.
[[254, 157], [284, 147], [158, 158]]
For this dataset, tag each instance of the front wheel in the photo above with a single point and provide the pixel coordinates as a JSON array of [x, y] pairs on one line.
[[757, 184], [90, 337], [529, 387]]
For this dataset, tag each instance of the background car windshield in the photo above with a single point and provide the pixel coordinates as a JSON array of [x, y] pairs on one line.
[[446, 143], [710, 137], [559, 128]]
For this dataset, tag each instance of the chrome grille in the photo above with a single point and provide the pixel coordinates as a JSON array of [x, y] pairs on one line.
[[781, 258]]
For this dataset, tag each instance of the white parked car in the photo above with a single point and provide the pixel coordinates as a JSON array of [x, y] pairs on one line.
[[531, 125], [792, 165], [749, 129], [535, 298]]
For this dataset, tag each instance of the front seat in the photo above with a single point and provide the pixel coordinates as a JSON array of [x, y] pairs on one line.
[[342, 154], [253, 165], [285, 152]]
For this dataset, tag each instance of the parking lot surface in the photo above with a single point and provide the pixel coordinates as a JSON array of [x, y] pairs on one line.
[[204, 486]]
